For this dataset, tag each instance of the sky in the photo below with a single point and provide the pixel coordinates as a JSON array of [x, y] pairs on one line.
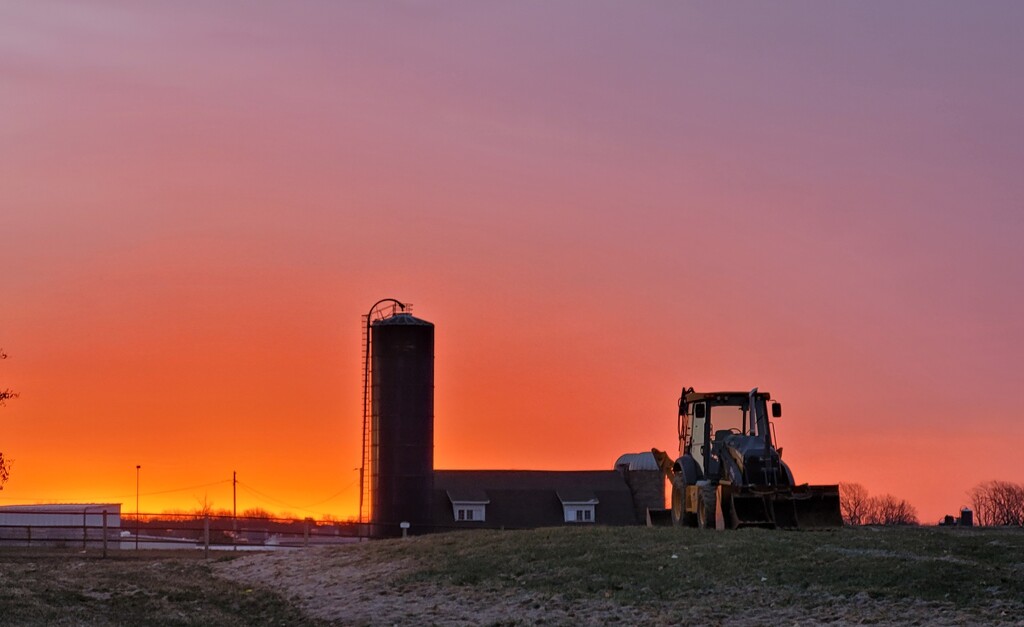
[[596, 203]]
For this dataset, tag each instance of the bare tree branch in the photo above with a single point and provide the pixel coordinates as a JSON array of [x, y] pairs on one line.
[[853, 502], [998, 503]]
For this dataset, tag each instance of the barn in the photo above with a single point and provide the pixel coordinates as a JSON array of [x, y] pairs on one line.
[[525, 499]]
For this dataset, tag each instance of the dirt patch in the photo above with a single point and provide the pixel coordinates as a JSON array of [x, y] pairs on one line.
[[60, 587], [340, 586]]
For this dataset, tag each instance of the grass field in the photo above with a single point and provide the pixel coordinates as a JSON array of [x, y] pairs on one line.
[[565, 575]]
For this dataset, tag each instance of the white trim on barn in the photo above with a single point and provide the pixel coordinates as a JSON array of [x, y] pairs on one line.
[[469, 506]]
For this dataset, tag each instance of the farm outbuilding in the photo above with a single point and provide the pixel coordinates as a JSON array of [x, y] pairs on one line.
[[62, 524]]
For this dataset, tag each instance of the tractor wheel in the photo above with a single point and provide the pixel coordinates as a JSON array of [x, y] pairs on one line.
[[680, 517], [726, 506], [706, 501], [678, 506]]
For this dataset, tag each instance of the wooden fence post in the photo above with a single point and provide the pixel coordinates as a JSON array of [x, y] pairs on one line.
[[104, 534]]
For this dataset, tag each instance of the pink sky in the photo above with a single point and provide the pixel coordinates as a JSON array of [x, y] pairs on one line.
[[596, 204]]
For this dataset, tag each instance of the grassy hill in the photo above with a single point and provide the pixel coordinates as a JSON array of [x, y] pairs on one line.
[[578, 575]]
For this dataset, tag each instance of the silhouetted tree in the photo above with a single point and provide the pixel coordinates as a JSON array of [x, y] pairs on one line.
[[888, 510], [5, 395], [256, 512], [998, 503], [854, 502], [205, 507], [858, 508]]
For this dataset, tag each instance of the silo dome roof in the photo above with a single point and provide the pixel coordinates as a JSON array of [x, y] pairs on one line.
[[401, 319], [637, 461]]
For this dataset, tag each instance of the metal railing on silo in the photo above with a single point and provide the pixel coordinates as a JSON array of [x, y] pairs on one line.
[[383, 308]]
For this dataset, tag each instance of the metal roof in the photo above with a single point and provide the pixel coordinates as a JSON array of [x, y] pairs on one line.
[[468, 495], [401, 319], [700, 396], [576, 497], [47, 508], [637, 461]]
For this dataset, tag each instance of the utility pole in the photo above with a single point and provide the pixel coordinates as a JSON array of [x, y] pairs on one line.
[[234, 508], [138, 467]]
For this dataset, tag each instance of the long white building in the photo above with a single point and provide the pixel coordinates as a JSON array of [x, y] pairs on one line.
[[62, 524]]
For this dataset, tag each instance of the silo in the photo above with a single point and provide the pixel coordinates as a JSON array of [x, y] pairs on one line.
[[402, 424]]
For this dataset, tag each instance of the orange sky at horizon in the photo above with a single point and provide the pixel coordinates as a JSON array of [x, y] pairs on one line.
[[596, 204]]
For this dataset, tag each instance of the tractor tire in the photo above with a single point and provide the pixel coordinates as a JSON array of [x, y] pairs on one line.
[[680, 517], [706, 502], [726, 507], [678, 506]]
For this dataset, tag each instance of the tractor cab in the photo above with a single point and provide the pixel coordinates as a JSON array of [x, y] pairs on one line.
[[729, 436]]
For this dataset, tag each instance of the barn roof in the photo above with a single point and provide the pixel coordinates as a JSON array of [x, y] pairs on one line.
[[468, 495], [523, 499]]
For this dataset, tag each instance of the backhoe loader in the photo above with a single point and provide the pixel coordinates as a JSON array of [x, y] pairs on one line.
[[729, 473]]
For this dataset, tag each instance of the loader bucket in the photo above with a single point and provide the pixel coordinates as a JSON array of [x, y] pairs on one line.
[[797, 507], [815, 507]]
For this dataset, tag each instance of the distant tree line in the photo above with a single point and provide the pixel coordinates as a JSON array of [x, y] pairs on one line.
[[998, 503], [859, 508]]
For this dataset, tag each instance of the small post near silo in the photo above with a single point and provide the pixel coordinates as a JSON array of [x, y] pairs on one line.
[[104, 534], [405, 529]]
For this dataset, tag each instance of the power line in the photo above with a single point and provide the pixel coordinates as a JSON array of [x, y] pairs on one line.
[[195, 487], [260, 495], [293, 506], [132, 495], [249, 488], [336, 494]]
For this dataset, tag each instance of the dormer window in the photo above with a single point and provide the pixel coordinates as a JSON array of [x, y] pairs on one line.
[[469, 505], [578, 506]]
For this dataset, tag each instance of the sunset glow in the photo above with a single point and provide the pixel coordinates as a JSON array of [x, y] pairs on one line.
[[595, 203]]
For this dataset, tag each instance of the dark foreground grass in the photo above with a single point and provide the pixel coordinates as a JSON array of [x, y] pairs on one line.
[[979, 573], [568, 575], [67, 587]]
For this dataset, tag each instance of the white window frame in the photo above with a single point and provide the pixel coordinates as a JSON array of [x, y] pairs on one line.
[[580, 513], [469, 512]]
